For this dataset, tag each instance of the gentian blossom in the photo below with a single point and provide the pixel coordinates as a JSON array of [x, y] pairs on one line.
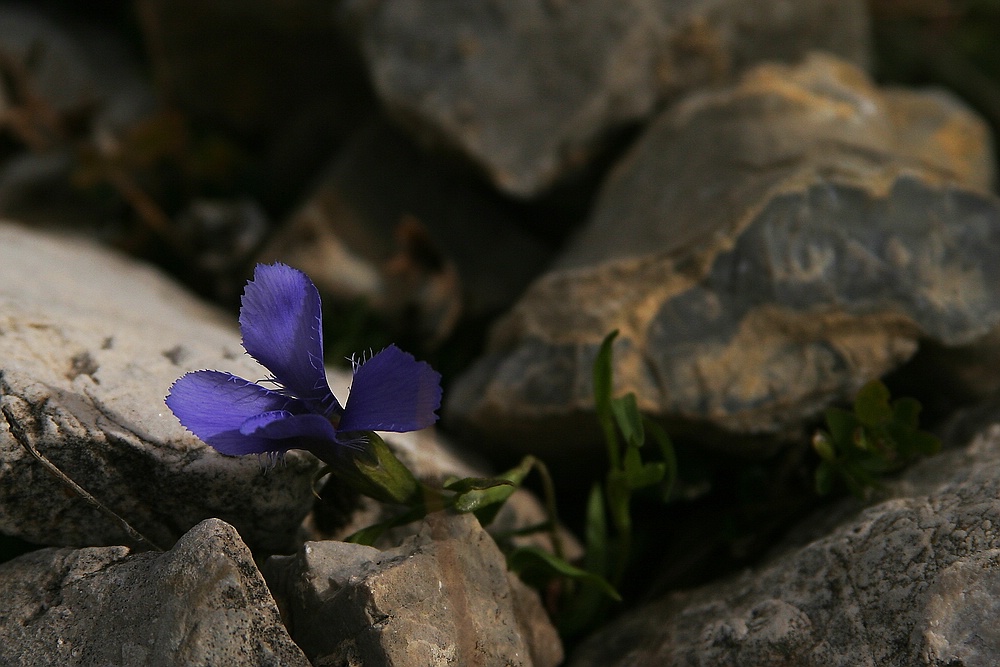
[[282, 327]]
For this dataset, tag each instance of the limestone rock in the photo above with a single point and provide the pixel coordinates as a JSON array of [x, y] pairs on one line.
[[442, 597], [764, 250], [912, 580], [90, 342], [415, 237], [202, 603], [527, 89]]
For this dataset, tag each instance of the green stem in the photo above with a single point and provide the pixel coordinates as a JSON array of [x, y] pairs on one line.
[[549, 490]]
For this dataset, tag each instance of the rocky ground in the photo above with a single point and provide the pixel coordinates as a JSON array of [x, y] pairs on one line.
[[756, 195]]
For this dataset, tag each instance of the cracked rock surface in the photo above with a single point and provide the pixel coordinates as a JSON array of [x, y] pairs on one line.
[[89, 345], [202, 603], [911, 580]]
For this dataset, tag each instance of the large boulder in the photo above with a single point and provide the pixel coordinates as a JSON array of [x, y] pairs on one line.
[[528, 89], [764, 250]]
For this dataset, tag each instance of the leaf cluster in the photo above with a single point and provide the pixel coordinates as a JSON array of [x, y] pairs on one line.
[[878, 437], [626, 432]]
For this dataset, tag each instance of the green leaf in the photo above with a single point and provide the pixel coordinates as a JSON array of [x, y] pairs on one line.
[[477, 499], [872, 404], [668, 455], [466, 484], [618, 497], [528, 557], [639, 475], [603, 387], [487, 503], [629, 420], [841, 424], [368, 535], [596, 532], [822, 445]]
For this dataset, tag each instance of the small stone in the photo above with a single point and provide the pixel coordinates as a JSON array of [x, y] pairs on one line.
[[202, 603], [764, 250], [443, 597]]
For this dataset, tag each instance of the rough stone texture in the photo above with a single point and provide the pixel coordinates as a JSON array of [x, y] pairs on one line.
[[912, 580], [202, 603], [764, 250], [419, 240], [526, 89], [443, 597], [89, 344]]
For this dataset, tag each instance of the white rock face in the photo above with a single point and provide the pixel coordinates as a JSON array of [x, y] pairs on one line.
[[90, 342]]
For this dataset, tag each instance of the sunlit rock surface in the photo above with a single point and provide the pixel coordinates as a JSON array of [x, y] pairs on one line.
[[764, 250], [90, 343]]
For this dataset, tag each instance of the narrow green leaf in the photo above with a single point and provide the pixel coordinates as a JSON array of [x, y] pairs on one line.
[[467, 484], [629, 420], [476, 499], [618, 497], [596, 532], [528, 557], [371, 533], [668, 455], [368, 535], [603, 386]]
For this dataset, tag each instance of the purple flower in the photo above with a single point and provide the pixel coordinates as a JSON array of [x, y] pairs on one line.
[[282, 326]]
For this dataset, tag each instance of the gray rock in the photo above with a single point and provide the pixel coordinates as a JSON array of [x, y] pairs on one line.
[[443, 597], [912, 580], [202, 603], [764, 250], [528, 89], [413, 236], [90, 342]]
